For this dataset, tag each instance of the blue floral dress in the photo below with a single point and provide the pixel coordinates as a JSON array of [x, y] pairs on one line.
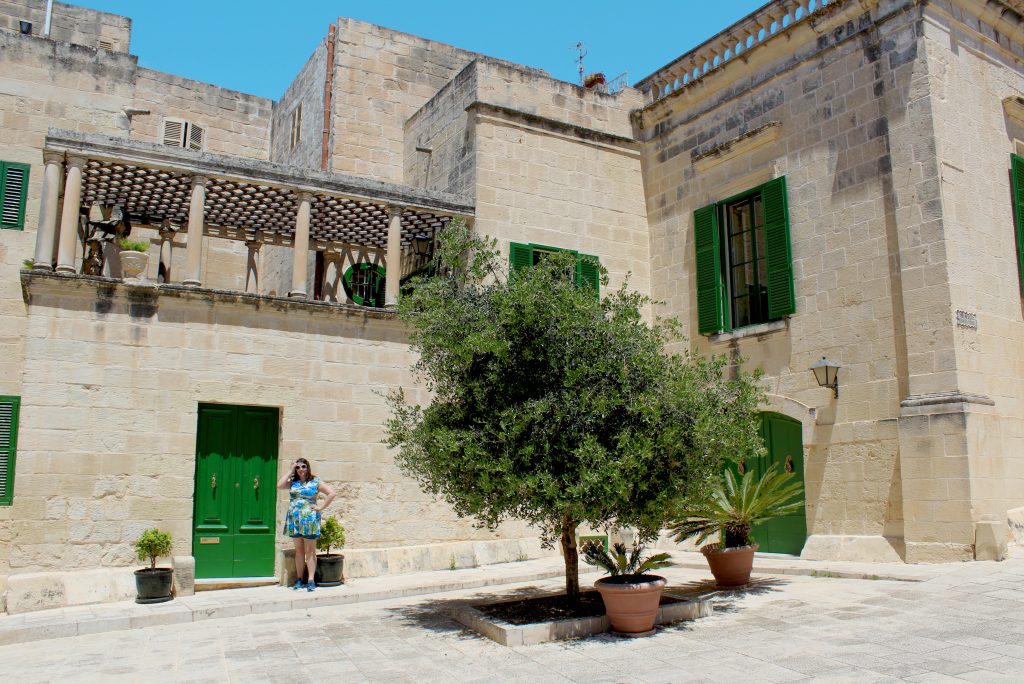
[[302, 520]]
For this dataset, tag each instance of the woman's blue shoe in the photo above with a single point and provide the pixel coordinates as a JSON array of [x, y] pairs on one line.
[[298, 584], [311, 586]]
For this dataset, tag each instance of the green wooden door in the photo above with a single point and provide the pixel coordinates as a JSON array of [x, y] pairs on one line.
[[236, 473], [784, 440]]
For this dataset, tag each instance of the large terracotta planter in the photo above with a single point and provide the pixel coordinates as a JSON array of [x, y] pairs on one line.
[[731, 567], [153, 585], [631, 602]]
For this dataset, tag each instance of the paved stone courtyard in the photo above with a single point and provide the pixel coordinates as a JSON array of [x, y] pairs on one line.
[[963, 624]]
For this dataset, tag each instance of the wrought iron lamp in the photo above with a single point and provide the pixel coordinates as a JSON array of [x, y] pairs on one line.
[[421, 244], [827, 374]]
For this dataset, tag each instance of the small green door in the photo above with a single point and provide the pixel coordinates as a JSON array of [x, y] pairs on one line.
[[235, 493], [784, 440]]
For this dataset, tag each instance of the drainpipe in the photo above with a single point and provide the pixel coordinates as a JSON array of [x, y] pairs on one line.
[[49, 15], [328, 88]]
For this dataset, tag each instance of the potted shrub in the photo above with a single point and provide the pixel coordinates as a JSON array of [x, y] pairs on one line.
[[329, 566], [731, 510], [153, 584], [133, 258], [631, 596]]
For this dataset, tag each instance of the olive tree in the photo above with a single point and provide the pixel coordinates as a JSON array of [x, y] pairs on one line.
[[553, 406]]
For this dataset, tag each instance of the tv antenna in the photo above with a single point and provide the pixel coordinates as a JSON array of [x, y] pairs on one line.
[[581, 54]]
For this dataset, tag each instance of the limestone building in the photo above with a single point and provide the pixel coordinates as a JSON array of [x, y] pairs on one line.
[[822, 179]]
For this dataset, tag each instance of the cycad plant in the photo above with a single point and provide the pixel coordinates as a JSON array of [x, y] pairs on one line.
[[734, 507], [619, 562]]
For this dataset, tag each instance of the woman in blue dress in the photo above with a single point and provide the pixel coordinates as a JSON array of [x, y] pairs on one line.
[[302, 523]]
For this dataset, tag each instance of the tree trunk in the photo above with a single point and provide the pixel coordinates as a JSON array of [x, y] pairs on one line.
[[572, 559]]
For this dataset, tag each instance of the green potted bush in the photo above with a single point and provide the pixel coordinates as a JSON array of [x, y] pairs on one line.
[[330, 566], [631, 596], [133, 257], [732, 509], [153, 584]]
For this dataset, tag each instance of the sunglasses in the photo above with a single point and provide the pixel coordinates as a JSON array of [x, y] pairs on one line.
[[302, 467]]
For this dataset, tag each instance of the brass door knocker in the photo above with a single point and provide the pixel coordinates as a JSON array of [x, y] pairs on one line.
[[742, 467], [789, 464]]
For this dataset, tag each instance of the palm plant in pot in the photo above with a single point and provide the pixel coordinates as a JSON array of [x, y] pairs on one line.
[[329, 566], [153, 584], [732, 509], [631, 596]]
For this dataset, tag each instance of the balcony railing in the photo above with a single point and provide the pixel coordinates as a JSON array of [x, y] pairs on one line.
[[756, 28]]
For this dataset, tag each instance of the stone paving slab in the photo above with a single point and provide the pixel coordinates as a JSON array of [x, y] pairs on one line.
[[230, 603], [782, 628], [977, 578]]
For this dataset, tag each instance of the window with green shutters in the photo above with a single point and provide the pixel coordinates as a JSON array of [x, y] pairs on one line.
[[8, 447], [364, 283], [587, 270], [1017, 175], [13, 193], [743, 260]]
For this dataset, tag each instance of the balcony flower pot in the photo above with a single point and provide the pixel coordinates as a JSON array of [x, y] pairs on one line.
[[730, 566], [631, 602], [133, 258], [133, 264]]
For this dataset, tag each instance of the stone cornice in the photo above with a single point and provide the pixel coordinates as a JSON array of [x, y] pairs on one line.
[[536, 121]]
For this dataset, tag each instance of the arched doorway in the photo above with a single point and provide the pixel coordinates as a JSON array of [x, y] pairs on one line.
[[782, 437]]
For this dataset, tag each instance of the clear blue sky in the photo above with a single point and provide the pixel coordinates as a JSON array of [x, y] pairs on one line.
[[258, 46]]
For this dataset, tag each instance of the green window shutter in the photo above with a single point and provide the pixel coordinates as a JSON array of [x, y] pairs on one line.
[[520, 256], [588, 272], [710, 312], [13, 194], [1017, 171], [8, 447], [379, 284], [778, 257]]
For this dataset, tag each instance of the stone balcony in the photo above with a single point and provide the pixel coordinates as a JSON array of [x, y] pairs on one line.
[[222, 211]]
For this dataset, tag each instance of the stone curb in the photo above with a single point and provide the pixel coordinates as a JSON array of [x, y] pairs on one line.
[[212, 605], [690, 608]]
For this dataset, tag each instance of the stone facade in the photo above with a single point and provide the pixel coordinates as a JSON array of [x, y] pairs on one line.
[[892, 122]]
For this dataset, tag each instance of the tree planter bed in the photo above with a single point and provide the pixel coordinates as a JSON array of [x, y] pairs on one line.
[[676, 604]]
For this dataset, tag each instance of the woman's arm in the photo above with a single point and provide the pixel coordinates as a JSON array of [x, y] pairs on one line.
[[328, 492], [286, 481]]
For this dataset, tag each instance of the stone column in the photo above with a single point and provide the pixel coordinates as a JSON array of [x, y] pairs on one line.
[[252, 267], [300, 250], [166, 252], [69, 220], [45, 234], [393, 274], [194, 241]]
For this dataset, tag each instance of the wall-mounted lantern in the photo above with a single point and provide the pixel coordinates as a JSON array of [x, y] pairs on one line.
[[421, 244], [827, 374]]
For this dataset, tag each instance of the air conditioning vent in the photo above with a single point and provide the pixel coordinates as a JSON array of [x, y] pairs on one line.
[[107, 44]]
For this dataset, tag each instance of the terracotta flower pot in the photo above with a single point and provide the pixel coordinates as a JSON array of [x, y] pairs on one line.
[[133, 264], [731, 567], [631, 601]]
